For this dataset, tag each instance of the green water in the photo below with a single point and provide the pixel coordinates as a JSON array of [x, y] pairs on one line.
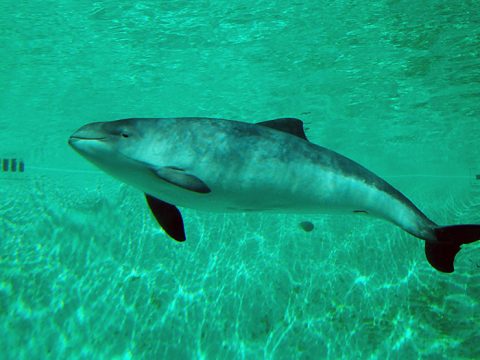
[[86, 273]]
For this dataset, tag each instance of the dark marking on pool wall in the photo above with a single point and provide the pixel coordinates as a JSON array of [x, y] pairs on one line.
[[477, 177], [12, 165], [360, 212], [307, 226]]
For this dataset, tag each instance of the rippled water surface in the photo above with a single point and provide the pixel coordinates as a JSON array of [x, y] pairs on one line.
[[86, 273]]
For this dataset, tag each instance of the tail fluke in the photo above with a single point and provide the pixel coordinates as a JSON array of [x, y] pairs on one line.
[[441, 254]]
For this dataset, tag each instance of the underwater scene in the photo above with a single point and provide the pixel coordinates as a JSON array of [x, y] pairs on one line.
[[86, 272]]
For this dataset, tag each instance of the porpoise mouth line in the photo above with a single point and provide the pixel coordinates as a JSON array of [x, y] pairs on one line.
[[82, 138]]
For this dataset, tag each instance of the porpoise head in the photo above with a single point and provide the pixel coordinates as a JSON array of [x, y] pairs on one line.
[[147, 153], [113, 146]]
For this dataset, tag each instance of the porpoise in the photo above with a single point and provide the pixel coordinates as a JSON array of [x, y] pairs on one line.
[[225, 165]]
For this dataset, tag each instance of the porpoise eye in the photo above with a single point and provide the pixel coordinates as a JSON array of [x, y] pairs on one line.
[[125, 135]]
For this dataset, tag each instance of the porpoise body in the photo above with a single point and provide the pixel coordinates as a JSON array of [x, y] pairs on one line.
[[225, 165]]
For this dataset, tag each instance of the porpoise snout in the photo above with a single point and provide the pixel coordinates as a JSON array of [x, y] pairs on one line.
[[92, 131]]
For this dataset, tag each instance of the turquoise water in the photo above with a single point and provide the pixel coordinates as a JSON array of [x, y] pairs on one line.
[[85, 272]]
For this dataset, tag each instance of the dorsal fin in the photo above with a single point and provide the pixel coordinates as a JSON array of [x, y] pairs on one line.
[[289, 125]]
